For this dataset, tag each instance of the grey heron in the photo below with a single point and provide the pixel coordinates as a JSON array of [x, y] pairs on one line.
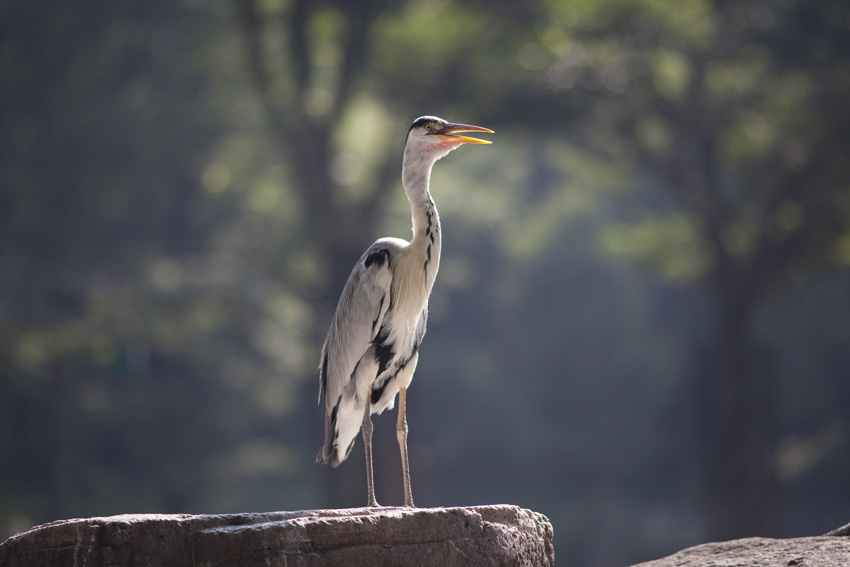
[[372, 347]]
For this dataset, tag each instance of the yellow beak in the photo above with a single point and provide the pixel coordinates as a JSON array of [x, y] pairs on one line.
[[449, 129]]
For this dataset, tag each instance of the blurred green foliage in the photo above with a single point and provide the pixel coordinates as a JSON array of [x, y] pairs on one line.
[[640, 327]]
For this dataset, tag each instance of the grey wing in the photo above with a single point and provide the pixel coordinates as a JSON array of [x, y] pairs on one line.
[[359, 314]]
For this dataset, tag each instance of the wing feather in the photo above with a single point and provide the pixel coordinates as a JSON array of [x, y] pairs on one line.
[[362, 306]]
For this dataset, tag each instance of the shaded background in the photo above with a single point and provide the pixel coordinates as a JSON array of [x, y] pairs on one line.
[[641, 326]]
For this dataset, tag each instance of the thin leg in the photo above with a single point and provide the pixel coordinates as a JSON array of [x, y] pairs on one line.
[[401, 434], [367, 441]]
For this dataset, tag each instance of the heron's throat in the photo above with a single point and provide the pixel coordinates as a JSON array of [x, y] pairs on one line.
[[416, 174]]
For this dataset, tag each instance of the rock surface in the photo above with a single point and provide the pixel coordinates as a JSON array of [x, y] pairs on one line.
[[413, 537], [824, 551]]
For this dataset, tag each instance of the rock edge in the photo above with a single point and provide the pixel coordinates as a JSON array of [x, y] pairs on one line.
[[830, 550], [497, 535]]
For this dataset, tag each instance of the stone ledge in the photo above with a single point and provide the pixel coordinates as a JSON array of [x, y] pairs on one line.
[[823, 551], [415, 537]]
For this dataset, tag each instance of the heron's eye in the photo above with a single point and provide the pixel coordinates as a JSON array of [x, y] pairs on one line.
[[428, 127]]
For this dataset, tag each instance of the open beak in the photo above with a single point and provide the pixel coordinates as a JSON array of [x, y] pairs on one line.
[[449, 130]]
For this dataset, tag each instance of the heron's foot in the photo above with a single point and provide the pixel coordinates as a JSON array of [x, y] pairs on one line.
[[373, 503]]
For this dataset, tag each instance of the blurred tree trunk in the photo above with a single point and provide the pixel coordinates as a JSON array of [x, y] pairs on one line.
[[738, 428], [736, 422], [760, 214]]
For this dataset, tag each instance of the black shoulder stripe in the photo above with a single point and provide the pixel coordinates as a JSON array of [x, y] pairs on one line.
[[379, 256]]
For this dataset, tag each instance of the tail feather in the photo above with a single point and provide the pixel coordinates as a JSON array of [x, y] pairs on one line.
[[343, 421], [326, 453], [340, 434]]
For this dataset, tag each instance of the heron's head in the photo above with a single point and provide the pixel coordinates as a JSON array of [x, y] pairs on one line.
[[431, 138]]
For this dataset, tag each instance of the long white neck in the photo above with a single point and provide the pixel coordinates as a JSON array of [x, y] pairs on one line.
[[415, 175]]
